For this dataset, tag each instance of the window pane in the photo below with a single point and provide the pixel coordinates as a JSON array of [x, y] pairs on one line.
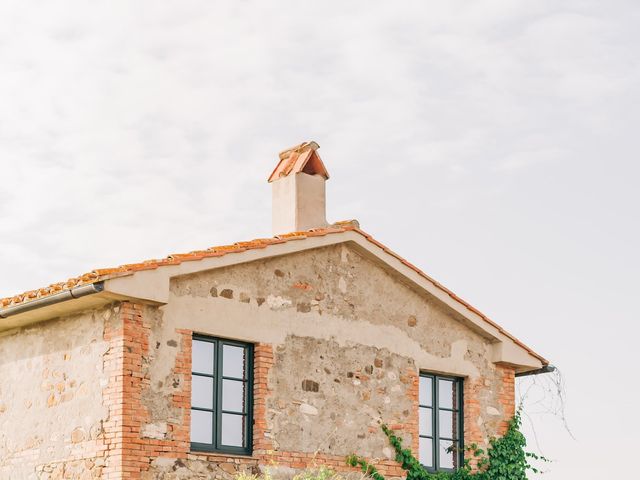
[[201, 427], [426, 452], [233, 395], [426, 422], [201, 392], [202, 357], [232, 430], [447, 455], [447, 424], [446, 394], [426, 391], [233, 361]]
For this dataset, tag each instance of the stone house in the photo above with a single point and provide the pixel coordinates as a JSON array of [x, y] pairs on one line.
[[284, 352]]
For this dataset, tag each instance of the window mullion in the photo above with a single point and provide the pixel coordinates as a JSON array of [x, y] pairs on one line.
[[217, 396], [460, 413], [248, 399], [436, 424]]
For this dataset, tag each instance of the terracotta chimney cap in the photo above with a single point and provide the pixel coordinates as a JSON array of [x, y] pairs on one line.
[[302, 158]]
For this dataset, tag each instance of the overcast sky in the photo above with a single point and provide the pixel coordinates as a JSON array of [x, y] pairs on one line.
[[492, 143]]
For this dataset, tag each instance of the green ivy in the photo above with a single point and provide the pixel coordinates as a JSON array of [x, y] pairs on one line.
[[505, 459]]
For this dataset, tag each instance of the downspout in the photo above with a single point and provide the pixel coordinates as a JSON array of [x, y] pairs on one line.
[[545, 369], [76, 292]]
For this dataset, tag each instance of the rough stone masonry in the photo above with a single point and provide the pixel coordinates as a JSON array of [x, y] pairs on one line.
[[339, 343]]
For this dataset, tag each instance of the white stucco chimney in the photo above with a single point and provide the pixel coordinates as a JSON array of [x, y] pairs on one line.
[[298, 190]]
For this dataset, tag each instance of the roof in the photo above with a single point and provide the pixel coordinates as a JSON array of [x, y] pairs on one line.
[[302, 158], [102, 274]]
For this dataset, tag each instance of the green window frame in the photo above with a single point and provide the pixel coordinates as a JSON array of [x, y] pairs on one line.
[[221, 395], [440, 422]]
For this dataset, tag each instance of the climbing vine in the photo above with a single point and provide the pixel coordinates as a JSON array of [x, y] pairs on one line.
[[505, 459]]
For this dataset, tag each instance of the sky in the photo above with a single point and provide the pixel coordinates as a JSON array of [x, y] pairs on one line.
[[492, 143]]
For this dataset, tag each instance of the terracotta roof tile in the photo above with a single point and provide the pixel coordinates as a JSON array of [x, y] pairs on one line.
[[178, 258], [173, 259]]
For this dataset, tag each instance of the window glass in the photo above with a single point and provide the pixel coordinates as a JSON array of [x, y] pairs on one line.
[[233, 361], [446, 454], [201, 426], [232, 430], [426, 452], [426, 388], [203, 353], [233, 395], [426, 422], [202, 392], [446, 393], [447, 427]]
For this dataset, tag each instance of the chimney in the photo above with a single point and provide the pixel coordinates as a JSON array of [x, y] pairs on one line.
[[298, 193]]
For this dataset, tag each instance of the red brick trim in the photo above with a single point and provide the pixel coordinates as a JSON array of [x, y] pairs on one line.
[[129, 453], [113, 396], [471, 410], [507, 396], [262, 363], [412, 425]]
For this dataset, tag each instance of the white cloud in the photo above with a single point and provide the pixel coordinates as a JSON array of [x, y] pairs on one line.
[[488, 141]]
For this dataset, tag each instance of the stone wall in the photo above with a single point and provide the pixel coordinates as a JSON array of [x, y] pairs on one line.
[[339, 344], [52, 414]]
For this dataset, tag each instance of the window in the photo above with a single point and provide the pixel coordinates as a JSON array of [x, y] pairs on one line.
[[221, 384], [440, 422]]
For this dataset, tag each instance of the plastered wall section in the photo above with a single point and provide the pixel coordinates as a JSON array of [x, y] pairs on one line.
[[57, 398], [339, 346]]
